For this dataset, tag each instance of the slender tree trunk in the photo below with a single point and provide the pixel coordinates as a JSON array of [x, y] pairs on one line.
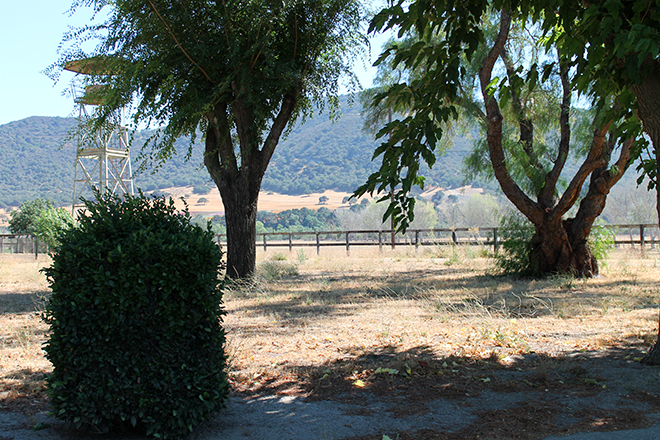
[[239, 180]]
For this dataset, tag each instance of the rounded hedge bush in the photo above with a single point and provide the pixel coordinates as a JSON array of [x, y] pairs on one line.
[[135, 320]]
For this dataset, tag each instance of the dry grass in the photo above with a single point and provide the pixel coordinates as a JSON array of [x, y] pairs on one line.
[[432, 304], [311, 315], [23, 290]]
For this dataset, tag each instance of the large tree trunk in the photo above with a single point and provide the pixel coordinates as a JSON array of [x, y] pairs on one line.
[[648, 100], [554, 250], [241, 217], [239, 189]]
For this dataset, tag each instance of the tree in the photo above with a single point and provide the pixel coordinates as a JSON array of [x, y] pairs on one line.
[[52, 223], [238, 71], [323, 200], [24, 220], [462, 63]]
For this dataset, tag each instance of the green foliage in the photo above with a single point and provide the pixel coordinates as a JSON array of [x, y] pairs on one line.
[[297, 220], [601, 241], [24, 220], [278, 256], [51, 224], [135, 320], [514, 234]]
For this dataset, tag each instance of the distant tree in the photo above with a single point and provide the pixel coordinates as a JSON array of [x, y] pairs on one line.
[[51, 223], [201, 190], [202, 201], [24, 220], [238, 71], [437, 197], [323, 200], [345, 200]]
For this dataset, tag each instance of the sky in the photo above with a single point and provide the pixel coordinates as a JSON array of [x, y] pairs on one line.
[[30, 33]]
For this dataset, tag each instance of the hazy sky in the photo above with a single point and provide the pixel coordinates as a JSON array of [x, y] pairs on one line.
[[30, 33]]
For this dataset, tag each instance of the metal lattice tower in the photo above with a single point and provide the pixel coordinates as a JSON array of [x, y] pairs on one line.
[[103, 161]]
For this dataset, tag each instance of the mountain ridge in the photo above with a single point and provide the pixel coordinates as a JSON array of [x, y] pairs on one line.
[[315, 156]]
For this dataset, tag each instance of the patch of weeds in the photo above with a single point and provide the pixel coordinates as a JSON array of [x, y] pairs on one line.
[[484, 252], [454, 258], [564, 281], [505, 338], [24, 337], [276, 270], [302, 256], [279, 256]]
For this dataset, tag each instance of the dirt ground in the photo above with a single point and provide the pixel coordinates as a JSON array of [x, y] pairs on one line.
[[434, 342]]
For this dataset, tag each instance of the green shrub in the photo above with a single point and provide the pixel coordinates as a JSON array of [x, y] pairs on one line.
[[515, 234], [51, 223], [135, 320], [601, 240]]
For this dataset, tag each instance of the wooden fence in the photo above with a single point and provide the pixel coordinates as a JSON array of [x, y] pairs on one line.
[[642, 235], [22, 244], [646, 235]]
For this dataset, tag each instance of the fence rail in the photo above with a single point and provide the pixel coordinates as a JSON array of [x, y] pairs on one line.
[[642, 235]]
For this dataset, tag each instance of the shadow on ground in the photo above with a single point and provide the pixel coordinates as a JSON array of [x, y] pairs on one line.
[[527, 396]]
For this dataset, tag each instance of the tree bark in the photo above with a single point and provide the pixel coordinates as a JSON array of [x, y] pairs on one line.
[[648, 101]]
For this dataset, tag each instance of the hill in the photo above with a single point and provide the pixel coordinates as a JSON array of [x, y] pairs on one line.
[[317, 155]]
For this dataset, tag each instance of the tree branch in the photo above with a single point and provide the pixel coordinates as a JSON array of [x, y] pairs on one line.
[[548, 192], [279, 124], [169, 29], [525, 205], [219, 154], [595, 159]]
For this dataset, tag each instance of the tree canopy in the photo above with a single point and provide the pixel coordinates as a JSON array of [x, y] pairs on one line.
[[522, 94], [238, 71]]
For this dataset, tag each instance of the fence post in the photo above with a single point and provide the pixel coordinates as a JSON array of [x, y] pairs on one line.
[[453, 237], [318, 245], [265, 244], [290, 242], [641, 239], [416, 240], [348, 246], [35, 241], [380, 242], [495, 240]]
